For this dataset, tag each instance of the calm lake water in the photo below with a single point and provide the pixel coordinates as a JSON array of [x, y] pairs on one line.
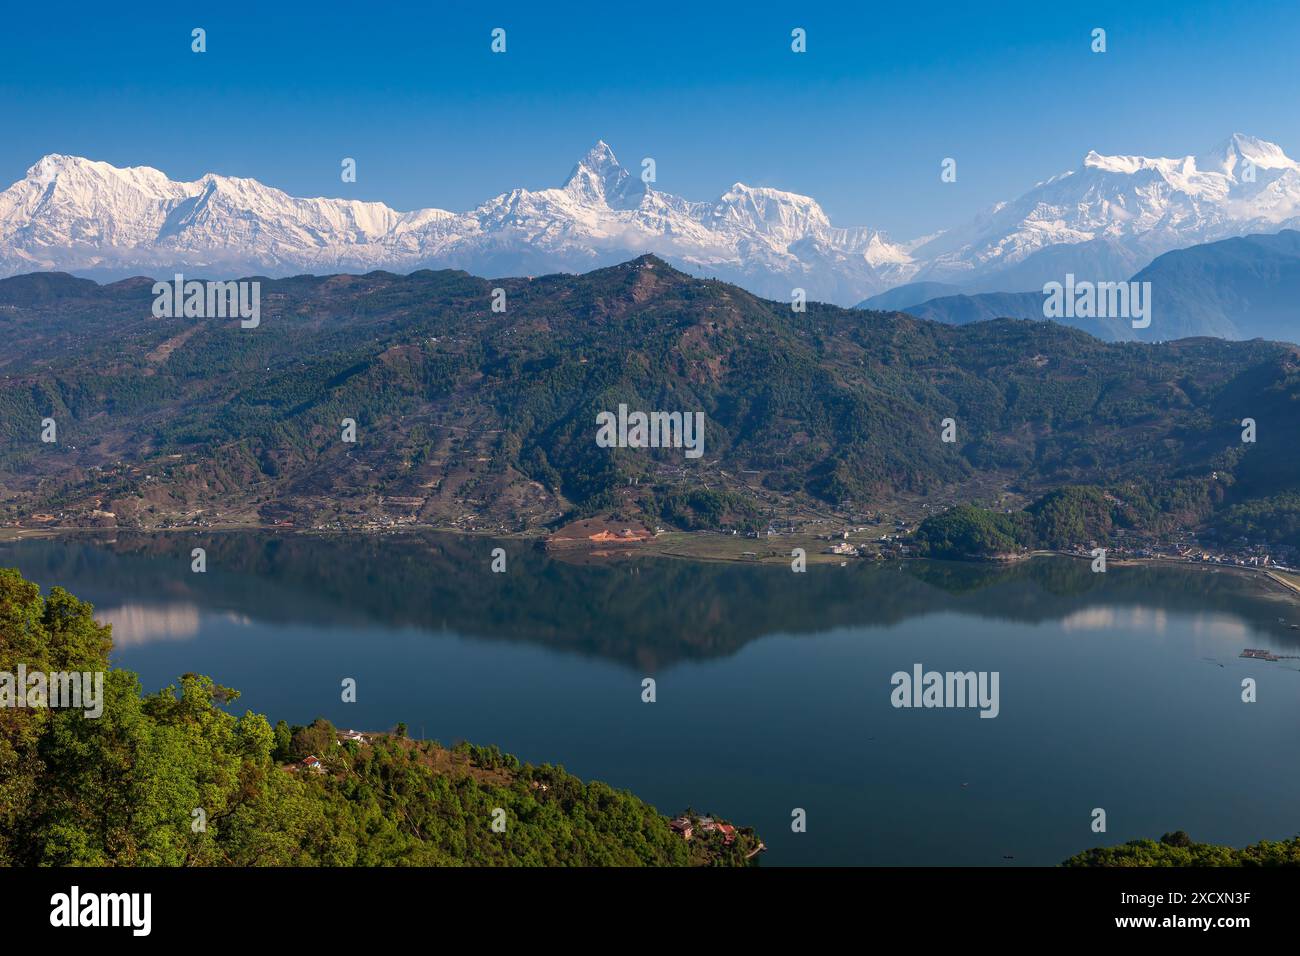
[[1119, 690]]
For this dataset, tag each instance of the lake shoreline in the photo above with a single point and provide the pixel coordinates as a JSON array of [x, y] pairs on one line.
[[706, 547]]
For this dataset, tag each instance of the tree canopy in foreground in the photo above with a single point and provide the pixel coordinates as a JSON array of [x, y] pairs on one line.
[[175, 779]]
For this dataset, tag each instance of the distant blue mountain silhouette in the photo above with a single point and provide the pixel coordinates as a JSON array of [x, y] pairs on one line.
[[1242, 288]]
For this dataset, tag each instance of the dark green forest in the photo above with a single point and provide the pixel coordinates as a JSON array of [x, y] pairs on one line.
[[1075, 515], [463, 411], [1178, 849]]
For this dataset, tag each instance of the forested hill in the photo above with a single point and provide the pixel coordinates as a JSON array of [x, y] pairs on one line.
[[467, 416], [1178, 849], [181, 778]]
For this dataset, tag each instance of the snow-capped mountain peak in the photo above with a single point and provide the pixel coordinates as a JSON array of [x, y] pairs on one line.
[[1129, 165], [1116, 213], [784, 215], [599, 179], [1227, 159]]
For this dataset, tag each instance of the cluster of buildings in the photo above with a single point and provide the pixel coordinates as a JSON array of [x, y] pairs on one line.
[[685, 827], [1185, 546]]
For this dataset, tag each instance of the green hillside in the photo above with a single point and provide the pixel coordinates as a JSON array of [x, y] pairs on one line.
[[467, 417]]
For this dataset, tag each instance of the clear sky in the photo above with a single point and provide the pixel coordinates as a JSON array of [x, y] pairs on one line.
[[861, 121]]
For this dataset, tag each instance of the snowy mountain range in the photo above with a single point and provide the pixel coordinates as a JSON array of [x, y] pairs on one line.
[[1115, 214], [1107, 219]]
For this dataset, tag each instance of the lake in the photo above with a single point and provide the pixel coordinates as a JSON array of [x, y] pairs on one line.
[[1120, 691]]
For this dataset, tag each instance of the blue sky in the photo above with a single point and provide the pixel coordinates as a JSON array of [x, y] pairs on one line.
[[861, 121]]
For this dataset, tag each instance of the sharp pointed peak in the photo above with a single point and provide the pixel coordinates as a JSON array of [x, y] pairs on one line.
[[598, 177], [599, 157]]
